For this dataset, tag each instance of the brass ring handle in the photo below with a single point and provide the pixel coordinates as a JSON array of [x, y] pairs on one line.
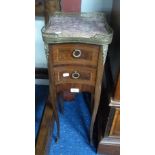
[[75, 75], [76, 53]]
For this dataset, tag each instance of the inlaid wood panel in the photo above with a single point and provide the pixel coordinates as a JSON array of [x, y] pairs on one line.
[[82, 87], [64, 54], [74, 74]]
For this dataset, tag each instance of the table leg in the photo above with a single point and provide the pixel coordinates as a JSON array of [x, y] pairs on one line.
[[55, 112], [98, 85], [61, 102], [53, 95], [92, 103]]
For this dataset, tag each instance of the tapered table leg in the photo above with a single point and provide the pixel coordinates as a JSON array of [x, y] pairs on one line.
[[53, 98], [98, 85]]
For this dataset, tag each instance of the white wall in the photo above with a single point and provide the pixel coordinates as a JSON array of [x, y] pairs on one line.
[[96, 5], [40, 58]]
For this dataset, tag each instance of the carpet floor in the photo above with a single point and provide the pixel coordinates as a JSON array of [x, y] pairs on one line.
[[74, 125]]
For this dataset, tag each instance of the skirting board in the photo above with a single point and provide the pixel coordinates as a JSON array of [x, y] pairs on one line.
[[41, 81]]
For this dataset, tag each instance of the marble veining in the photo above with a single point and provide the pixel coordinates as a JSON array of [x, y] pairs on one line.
[[77, 25]]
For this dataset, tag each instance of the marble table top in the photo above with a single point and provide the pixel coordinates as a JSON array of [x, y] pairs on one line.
[[78, 25]]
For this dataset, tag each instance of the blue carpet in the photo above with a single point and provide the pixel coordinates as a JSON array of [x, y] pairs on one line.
[[74, 125]]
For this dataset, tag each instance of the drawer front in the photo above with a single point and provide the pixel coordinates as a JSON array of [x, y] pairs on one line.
[[75, 74], [75, 87], [82, 54], [115, 128]]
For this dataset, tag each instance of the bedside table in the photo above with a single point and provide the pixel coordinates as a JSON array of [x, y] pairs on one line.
[[76, 47]]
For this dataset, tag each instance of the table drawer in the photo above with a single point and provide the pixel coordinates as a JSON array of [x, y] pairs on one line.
[[82, 54], [75, 74], [74, 87]]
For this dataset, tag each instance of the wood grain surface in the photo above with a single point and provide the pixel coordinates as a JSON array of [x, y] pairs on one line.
[[62, 54]]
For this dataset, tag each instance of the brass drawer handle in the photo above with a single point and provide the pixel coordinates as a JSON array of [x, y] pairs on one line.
[[76, 53], [75, 75]]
